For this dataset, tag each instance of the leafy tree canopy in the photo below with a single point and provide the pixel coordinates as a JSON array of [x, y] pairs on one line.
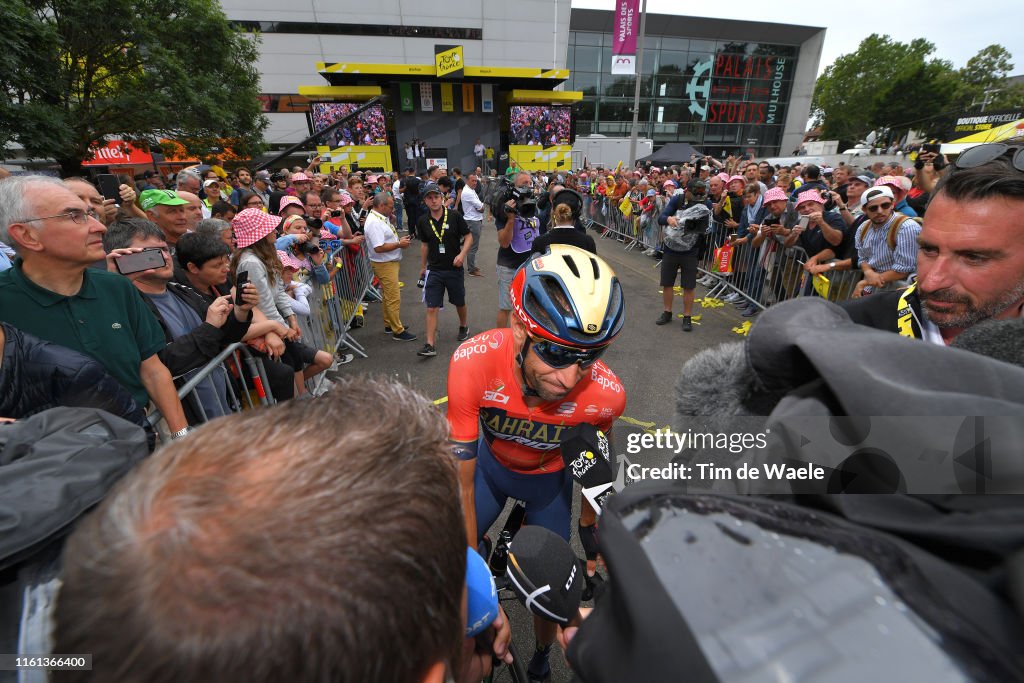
[[74, 72], [886, 84]]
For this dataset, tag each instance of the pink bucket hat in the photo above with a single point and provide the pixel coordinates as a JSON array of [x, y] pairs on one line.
[[289, 261], [809, 196], [724, 177], [252, 225], [737, 177], [300, 176], [774, 195], [287, 201]]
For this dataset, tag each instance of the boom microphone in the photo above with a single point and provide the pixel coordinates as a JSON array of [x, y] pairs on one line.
[[481, 594], [545, 574], [585, 452]]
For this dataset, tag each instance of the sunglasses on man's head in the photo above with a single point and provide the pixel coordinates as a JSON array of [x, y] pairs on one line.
[[558, 356], [982, 154], [878, 207]]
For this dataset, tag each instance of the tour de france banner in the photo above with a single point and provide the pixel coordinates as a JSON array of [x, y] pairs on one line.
[[627, 17]]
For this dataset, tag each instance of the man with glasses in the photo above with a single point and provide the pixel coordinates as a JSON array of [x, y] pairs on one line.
[[52, 293], [513, 392], [970, 264], [886, 243], [195, 330]]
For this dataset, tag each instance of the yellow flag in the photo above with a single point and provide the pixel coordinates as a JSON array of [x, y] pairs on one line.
[[626, 207]]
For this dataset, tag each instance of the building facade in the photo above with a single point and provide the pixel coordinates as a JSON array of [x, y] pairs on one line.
[[721, 85]]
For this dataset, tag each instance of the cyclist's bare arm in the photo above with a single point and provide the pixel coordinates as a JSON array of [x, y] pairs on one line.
[[466, 455]]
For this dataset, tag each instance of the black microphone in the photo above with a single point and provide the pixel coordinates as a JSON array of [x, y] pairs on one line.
[[585, 452], [545, 574]]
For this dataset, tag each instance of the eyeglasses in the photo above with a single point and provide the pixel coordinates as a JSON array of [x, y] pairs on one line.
[[76, 215], [982, 154], [878, 207], [558, 356]]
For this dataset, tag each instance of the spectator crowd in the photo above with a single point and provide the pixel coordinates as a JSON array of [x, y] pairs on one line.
[[120, 302]]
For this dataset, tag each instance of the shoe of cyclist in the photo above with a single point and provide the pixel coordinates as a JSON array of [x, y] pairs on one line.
[[539, 669]]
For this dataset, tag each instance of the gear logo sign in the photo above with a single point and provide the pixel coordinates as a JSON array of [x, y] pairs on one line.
[[700, 85]]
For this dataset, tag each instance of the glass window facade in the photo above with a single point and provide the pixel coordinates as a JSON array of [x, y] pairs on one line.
[[720, 96]]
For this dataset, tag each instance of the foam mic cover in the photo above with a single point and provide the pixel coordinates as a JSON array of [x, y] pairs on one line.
[[999, 339], [585, 452], [545, 574], [481, 594]]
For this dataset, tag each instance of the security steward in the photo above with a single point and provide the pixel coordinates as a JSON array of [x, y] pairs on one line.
[[445, 242]]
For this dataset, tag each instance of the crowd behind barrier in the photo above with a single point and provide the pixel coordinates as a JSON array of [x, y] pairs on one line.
[[760, 275], [334, 306], [243, 376]]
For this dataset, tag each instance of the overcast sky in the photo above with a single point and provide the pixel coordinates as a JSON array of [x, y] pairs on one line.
[[958, 29]]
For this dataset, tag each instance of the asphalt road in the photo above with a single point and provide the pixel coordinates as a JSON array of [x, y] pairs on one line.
[[646, 357]]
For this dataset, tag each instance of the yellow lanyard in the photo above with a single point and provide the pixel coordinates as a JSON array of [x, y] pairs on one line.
[[386, 222], [905, 314], [444, 226]]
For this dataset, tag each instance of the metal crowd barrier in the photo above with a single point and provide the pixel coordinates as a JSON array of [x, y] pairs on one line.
[[333, 306], [235, 368], [762, 275], [768, 273]]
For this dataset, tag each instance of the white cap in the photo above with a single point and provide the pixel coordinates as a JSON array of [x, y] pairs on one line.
[[873, 193]]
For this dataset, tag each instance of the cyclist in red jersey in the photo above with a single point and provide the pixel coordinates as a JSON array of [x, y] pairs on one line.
[[513, 392]]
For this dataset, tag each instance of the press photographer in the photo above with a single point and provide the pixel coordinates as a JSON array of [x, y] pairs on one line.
[[515, 217]]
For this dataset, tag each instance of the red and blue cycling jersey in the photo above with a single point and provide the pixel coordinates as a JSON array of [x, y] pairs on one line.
[[484, 396]]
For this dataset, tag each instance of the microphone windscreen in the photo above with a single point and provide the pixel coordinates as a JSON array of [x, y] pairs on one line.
[[481, 594], [545, 574], [586, 455], [999, 339]]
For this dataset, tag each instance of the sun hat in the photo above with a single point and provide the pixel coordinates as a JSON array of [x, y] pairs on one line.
[[252, 225]]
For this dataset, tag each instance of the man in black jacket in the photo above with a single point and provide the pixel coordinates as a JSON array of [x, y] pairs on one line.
[[970, 264], [36, 375], [196, 331]]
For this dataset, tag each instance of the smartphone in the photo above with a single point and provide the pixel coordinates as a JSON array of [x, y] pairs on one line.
[[240, 282], [139, 261], [109, 185], [804, 220], [930, 147]]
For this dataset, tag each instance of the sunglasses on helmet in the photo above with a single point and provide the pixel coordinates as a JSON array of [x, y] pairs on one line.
[[982, 154], [558, 356]]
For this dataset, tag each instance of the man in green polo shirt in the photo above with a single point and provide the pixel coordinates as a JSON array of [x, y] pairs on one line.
[[51, 293]]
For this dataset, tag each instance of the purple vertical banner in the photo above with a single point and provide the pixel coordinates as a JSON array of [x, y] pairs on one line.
[[627, 21]]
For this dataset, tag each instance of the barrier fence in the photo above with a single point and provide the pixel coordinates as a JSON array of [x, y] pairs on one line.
[[236, 379], [334, 306], [760, 275]]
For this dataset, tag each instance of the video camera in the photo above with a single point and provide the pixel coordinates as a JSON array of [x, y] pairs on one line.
[[525, 201]]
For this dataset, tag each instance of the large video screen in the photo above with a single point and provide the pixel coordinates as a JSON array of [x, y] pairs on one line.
[[369, 128], [540, 125]]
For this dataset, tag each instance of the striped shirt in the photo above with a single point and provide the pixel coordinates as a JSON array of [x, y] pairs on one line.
[[874, 249]]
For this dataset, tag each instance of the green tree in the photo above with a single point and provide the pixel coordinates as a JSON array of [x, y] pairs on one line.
[[73, 72], [983, 81], [884, 84], [894, 87]]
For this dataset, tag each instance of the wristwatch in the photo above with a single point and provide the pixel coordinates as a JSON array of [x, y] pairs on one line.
[[180, 433], [832, 264]]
